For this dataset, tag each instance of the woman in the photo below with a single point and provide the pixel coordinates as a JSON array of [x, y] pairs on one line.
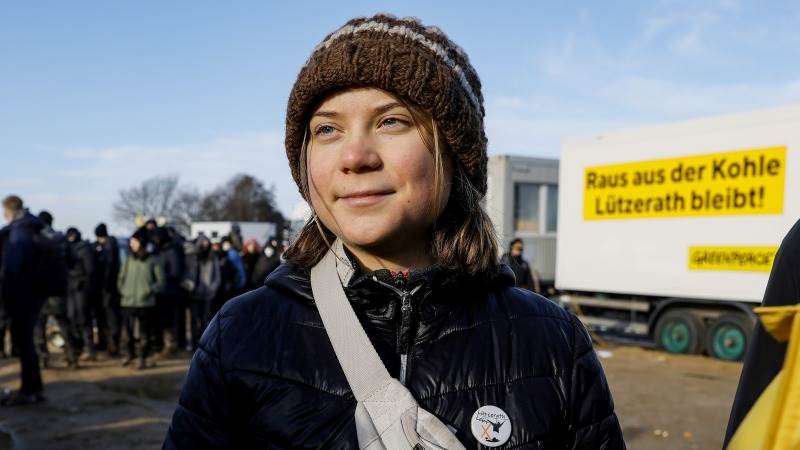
[[385, 139], [140, 281]]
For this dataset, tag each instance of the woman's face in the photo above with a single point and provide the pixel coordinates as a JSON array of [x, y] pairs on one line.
[[135, 244], [371, 176]]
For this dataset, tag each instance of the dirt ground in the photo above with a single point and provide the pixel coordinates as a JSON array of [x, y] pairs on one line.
[[663, 402]]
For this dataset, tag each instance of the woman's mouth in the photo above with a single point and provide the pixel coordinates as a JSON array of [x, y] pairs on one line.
[[365, 198]]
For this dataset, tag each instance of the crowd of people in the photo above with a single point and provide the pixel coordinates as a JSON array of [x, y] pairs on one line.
[[148, 298]]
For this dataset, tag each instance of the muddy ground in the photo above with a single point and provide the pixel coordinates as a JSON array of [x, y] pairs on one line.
[[663, 401]]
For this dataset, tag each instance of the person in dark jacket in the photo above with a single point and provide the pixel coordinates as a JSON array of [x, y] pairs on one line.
[[172, 305], [140, 281], [268, 260], [384, 136], [108, 266], [79, 291], [230, 277], [765, 355], [251, 250], [20, 300], [56, 306], [239, 278], [203, 287], [522, 270]]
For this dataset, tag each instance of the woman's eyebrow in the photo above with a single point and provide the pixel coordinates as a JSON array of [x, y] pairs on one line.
[[387, 107], [377, 110], [325, 114]]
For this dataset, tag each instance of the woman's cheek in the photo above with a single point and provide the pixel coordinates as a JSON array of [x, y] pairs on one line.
[[319, 178], [419, 174]]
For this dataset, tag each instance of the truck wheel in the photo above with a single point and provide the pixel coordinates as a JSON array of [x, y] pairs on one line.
[[680, 331], [728, 337]]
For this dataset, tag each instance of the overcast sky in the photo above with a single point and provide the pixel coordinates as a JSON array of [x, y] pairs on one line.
[[97, 96]]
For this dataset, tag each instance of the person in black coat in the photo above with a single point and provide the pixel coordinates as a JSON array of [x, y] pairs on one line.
[[520, 267], [79, 292], [108, 265], [172, 301], [765, 355], [267, 260], [55, 305], [251, 250], [384, 135], [21, 301]]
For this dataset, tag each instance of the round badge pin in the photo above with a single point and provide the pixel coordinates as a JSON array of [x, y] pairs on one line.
[[491, 426]]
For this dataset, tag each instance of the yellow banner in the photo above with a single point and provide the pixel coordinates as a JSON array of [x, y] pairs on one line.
[[748, 259], [717, 184]]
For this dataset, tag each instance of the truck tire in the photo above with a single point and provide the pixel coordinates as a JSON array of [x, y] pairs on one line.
[[680, 331], [728, 336]]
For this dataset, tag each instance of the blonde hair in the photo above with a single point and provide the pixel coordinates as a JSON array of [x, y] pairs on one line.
[[462, 235]]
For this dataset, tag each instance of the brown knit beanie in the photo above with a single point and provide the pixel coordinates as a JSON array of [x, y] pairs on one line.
[[418, 64]]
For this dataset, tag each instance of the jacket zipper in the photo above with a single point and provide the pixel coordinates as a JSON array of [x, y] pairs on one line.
[[404, 339]]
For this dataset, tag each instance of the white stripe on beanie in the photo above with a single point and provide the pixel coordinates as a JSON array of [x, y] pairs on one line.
[[407, 32]]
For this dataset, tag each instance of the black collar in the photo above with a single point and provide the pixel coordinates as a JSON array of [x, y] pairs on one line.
[[296, 281]]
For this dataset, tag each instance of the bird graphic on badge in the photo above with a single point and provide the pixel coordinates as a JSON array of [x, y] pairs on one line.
[[491, 426], [489, 437]]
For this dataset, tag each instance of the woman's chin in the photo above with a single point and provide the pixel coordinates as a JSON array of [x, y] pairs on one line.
[[370, 237], [365, 240]]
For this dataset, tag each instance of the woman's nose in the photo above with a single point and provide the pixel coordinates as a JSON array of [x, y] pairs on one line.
[[360, 155]]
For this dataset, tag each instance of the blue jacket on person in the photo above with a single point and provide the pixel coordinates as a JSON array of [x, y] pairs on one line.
[[238, 264]]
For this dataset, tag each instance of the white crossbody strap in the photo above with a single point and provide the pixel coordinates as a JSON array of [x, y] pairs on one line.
[[360, 362], [387, 416]]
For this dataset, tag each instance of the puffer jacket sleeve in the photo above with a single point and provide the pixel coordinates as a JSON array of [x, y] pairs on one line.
[[593, 423], [202, 419]]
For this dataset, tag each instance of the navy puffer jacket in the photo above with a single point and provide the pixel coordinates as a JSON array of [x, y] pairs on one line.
[[266, 376]]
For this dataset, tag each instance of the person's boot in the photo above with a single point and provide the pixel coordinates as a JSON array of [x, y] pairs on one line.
[[168, 352], [141, 363], [17, 398], [89, 356], [113, 349], [127, 360]]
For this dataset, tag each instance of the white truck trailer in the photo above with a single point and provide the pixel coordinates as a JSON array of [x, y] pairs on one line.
[[670, 231]]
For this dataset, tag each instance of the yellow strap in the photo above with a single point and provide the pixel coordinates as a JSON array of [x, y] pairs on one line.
[[750, 435], [773, 423]]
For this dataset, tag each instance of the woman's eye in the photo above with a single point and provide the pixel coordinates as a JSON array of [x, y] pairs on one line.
[[392, 122], [325, 130]]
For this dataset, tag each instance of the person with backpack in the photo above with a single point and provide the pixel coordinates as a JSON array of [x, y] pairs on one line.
[[140, 281], [56, 303], [392, 323], [21, 297], [79, 290]]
